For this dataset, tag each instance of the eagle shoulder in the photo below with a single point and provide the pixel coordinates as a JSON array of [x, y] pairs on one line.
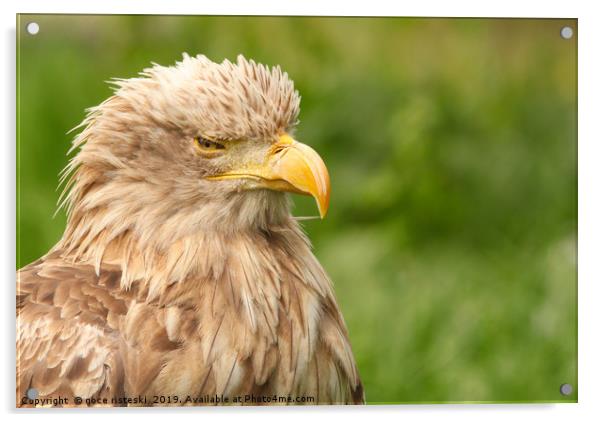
[[67, 330]]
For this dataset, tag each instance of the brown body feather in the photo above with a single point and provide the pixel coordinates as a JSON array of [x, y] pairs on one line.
[[262, 323]]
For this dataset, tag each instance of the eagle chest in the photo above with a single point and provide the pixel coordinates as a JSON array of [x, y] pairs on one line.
[[250, 328]]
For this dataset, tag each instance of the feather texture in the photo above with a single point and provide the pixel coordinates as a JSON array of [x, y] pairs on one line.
[[263, 321]]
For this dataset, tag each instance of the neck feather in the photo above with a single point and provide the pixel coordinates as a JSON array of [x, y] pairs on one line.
[[134, 227]]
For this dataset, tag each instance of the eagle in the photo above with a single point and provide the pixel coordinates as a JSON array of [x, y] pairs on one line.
[[182, 278]]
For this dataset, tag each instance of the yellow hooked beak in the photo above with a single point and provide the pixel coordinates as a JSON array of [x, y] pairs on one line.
[[289, 166]]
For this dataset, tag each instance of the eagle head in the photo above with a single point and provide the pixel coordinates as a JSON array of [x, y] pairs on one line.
[[198, 145]]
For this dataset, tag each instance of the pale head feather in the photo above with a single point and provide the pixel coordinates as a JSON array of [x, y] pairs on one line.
[[135, 187]]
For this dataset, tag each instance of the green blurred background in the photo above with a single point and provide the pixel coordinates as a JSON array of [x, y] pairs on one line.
[[451, 143]]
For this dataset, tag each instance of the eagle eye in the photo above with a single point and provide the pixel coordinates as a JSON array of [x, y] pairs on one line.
[[206, 146]]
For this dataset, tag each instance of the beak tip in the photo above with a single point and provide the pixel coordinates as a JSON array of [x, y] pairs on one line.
[[322, 208]]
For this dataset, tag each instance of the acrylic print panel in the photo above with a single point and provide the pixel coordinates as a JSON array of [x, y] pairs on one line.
[[177, 271]]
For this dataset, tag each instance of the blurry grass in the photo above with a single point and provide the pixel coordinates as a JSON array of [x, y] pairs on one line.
[[451, 238]]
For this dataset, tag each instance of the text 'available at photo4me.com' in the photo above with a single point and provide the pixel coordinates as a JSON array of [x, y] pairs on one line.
[[173, 400]]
